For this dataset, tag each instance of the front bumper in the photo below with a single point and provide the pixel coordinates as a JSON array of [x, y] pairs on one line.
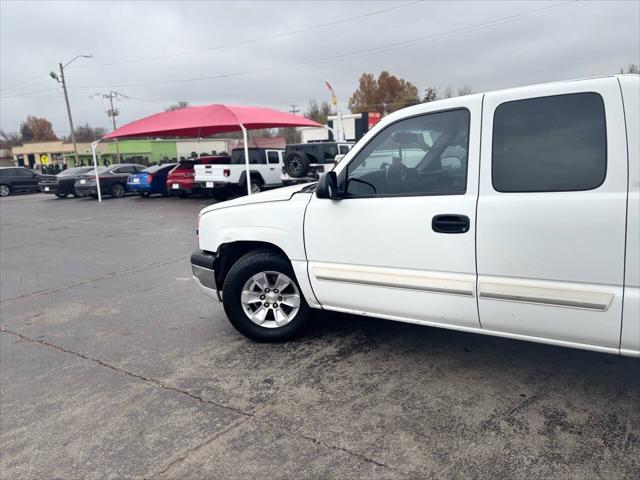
[[202, 267]]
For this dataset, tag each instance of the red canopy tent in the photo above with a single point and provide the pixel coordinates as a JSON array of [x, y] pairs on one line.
[[205, 121]]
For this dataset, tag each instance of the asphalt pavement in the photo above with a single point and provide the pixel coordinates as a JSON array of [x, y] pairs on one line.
[[114, 365]]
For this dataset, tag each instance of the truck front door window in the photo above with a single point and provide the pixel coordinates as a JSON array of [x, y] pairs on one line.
[[422, 155]]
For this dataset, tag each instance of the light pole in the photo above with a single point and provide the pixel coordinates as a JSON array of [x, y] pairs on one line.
[[61, 80]]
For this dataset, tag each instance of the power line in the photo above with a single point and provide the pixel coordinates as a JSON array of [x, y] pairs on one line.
[[27, 94], [22, 83], [113, 112], [254, 40], [356, 53]]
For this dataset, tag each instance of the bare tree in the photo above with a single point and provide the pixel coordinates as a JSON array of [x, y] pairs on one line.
[[9, 139], [177, 106], [318, 112], [632, 68], [86, 133], [430, 94], [448, 92], [464, 90]]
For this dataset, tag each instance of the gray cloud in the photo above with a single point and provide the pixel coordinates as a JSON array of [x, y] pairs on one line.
[[581, 40]]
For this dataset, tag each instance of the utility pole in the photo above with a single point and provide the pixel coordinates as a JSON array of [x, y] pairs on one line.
[[294, 109], [113, 113], [66, 100]]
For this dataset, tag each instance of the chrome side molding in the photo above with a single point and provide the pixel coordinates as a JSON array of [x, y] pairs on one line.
[[435, 282], [557, 297]]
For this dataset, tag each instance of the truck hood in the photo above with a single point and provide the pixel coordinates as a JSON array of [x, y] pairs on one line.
[[275, 195]]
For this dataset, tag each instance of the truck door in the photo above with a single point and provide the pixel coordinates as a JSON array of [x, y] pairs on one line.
[[552, 212], [274, 167], [401, 244]]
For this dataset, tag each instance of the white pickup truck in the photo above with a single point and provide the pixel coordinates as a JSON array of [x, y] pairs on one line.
[[219, 181], [513, 213]]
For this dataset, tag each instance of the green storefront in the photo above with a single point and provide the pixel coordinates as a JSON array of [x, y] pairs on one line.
[[146, 152]]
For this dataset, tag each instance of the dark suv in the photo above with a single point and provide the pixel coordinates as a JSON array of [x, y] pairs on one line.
[[307, 161], [18, 179]]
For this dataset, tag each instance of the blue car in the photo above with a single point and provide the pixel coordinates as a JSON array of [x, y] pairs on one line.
[[150, 180]]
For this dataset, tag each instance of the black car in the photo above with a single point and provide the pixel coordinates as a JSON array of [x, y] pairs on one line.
[[113, 180], [62, 184], [18, 179]]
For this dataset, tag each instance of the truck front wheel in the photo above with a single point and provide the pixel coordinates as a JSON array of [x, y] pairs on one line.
[[262, 298]]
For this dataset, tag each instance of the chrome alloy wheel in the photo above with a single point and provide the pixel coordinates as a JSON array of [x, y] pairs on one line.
[[4, 191], [270, 299], [255, 187]]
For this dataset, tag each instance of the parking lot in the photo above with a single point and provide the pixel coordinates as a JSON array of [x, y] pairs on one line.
[[114, 365]]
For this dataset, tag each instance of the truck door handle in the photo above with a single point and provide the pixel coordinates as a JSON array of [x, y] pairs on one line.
[[450, 223]]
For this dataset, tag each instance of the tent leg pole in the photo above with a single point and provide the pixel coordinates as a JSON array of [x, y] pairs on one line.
[[246, 158], [94, 145]]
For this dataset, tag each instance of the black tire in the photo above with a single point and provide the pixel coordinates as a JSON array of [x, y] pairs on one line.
[[62, 195], [75, 194], [184, 195], [118, 190], [247, 266], [165, 192], [144, 194], [5, 190], [256, 185], [296, 164]]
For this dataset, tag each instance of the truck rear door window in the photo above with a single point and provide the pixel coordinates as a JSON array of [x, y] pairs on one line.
[[550, 144], [273, 157]]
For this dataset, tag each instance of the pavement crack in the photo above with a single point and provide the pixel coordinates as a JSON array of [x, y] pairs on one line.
[[327, 445], [94, 280], [125, 372], [184, 455], [247, 415]]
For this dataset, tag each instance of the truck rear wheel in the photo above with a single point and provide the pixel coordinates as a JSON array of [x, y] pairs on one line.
[[263, 300], [256, 186], [296, 164]]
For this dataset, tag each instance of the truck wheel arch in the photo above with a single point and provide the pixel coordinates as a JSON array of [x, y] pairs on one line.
[[255, 175], [230, 253]]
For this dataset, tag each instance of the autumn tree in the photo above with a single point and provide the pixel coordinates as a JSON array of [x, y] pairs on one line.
[[385, 94], [37, 129], [177, 106]]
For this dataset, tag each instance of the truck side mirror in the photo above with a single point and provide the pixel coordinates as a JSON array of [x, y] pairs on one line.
[[328, 187]]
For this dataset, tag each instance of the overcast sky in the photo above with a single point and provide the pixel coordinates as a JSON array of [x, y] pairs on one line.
[[208, 53]]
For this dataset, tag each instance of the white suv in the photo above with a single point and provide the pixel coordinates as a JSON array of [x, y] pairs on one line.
[[511, 213]]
